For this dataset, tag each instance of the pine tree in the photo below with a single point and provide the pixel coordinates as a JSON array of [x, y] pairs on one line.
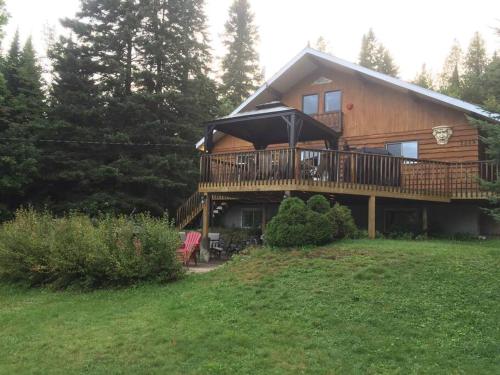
[[375, 56], [322, 44], [4, 17], [111, 29], [30, 95], [241, 72], [491, 132], [12, 64], [492, 79], [450, 79], [22, 107], [474, 67], [369, 49], [424, 78], [3, 84], [385, 63]]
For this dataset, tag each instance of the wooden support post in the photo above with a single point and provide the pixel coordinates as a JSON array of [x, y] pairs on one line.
[[425, 223], [297, 164], [371, 218], [264, 218], [205, 241]]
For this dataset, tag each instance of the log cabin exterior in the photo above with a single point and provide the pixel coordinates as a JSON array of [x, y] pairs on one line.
[[390, 150]]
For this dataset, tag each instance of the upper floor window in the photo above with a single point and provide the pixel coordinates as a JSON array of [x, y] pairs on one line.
[[404, 149], [333, 101], [310, 104]]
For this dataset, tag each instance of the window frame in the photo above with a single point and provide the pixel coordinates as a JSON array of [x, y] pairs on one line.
[[251, 209], [324, 101], [401, 142], [317, 105]]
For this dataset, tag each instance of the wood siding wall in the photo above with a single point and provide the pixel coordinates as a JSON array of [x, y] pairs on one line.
[[381, 114]]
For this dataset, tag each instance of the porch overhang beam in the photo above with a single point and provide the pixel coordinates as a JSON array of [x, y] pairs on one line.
[[279, 127]]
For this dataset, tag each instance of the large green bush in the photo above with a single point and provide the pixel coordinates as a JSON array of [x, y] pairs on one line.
[[317, 228], [288, 227], [79, 251], [298, 224], [318, 203], [342, 222]]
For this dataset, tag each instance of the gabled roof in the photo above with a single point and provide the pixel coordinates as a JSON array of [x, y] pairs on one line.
[[309, 59]]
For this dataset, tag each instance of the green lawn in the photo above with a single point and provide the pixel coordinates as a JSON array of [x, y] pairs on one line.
[[355, 307]]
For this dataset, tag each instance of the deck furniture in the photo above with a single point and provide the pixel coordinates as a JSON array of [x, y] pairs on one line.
[[190, 248], [216, 244]]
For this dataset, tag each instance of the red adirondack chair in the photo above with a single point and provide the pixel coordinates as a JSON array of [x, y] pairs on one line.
[[190, 247]]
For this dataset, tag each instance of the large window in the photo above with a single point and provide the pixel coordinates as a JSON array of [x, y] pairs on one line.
[[251, 217], [310, 104], [333, 101], [404, 149]]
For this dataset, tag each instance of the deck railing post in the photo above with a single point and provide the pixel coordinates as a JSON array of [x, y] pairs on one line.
[[297, 166]]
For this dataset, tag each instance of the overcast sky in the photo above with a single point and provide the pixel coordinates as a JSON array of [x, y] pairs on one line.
[[414, 32]]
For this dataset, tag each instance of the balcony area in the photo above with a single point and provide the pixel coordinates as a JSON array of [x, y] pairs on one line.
[[342, 172]]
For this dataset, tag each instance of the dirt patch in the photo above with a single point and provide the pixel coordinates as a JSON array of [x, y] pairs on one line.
[[205, 267]]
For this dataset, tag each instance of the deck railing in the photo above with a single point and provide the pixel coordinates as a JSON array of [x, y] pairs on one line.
[[349, 170]]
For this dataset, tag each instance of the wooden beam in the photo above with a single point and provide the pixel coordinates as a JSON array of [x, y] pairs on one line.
[[317, 187], [205, 241], [371, 217], [264, 218], [425, 222]]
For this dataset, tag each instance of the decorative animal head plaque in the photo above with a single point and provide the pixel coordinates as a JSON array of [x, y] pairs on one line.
[[442, 134]]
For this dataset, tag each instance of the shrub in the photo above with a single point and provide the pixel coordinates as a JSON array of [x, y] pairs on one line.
[[297, 224], [288, 227], [75, 250], [342, 222], [318, 203], [317, 228]]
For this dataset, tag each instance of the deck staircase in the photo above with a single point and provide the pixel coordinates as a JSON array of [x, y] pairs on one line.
[[193, 207], [189, 210]]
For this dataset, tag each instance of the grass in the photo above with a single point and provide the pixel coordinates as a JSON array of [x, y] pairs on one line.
[[355, 307]]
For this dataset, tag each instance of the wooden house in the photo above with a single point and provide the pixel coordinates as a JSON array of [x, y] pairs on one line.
[[394, 152]]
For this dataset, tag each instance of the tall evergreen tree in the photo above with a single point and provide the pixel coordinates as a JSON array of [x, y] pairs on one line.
[[424, 78], [12, 64], [491, 132], [492, 79], [241, 72], [3, 85], [474, 68], [73, 176], [369, 49], [386, 63], [4, 17], [23, 105], [450, 79], [374, 55], [322, 44]]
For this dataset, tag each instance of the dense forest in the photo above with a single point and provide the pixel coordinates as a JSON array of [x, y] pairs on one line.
[[113, 128]]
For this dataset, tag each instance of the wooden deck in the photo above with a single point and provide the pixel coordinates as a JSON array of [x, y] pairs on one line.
[[340, 172]]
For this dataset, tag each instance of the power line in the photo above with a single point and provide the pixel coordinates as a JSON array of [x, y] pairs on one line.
[[98, 142]]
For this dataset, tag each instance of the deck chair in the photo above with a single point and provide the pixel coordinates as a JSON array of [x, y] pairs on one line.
[[190, 248], [216, 247]]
